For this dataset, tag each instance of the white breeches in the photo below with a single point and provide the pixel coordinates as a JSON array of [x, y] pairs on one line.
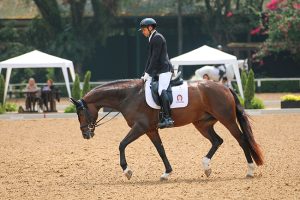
[[164, 81]]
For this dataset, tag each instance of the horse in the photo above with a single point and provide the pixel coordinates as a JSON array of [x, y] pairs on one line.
[[209, 102], [216, 73]]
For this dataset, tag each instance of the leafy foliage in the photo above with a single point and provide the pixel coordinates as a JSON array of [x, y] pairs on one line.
[[2, 85], [2, 109], [282, 24], [86, 83], [76, 93], [244, 78], [226, 20], [61, 30], [73, 37], [249, 89], [70, 109], [250, 101], [290, 97], [256, 103], [10, 107]]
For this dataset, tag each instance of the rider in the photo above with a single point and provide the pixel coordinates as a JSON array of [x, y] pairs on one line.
[[158, 64]]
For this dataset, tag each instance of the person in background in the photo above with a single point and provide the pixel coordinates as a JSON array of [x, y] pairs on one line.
[[49, 94], [49, 85], [205, 77], [225, 82], [31, 86], [32, 94]]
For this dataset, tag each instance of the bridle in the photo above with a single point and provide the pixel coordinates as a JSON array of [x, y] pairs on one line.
[[91, 123]]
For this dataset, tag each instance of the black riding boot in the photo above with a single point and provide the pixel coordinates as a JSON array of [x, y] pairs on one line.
[[167, 121]]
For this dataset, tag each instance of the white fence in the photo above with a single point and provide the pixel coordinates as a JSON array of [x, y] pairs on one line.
[[260, 80], [18, 87]]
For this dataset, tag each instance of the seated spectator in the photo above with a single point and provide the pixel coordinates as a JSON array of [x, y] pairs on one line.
[[205, 77], [225, 82], [49, 94], [32, 95], [31, 86]]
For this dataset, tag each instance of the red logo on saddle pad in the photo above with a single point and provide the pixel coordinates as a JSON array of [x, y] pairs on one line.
[[179, 98]]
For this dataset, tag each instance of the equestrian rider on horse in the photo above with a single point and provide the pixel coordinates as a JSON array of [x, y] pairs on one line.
[[158, 64]]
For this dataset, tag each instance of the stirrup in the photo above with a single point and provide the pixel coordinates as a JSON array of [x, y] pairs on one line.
[[166, 123]]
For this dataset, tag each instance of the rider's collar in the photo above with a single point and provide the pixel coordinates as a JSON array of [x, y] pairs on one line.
[[151, 35]]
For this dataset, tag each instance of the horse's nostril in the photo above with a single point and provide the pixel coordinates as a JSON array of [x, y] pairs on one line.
[[87, 135]]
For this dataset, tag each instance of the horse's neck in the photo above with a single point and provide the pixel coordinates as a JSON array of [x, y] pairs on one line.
[[113, 94]]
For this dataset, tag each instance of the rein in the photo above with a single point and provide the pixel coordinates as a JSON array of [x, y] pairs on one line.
[[96, 124], [92, 124]]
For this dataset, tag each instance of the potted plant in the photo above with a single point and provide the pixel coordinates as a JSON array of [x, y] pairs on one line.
[[290, 101]]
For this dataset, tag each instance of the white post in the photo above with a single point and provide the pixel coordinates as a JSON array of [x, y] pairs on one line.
[[65, 73], [8, 73], [238, 78], [72, 72]]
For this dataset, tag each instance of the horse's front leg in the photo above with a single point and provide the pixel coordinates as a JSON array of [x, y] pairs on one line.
[[155, 139], [136, 131]]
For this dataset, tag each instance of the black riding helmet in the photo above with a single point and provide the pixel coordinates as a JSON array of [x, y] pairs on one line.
[[147, 22]]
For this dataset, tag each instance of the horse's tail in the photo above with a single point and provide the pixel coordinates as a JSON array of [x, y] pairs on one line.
[[243, 120]]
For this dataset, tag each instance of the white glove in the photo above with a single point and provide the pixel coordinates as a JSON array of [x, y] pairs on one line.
[[145, 77]]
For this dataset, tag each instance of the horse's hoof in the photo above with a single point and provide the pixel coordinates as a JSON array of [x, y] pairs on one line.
[[128, 173], [250, 176], [207, 172], [165, 176]]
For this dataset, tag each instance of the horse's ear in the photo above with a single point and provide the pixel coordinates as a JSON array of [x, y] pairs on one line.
[[73, 101]]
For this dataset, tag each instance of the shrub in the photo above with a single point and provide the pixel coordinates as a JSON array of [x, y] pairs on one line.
[[290, 97], [256, 103], [244, 78], [2, 109], [241, 100], [76, 88], [10, 107], [279, 86], [86, 83], [2, 85], [70, 109], [249, 89]]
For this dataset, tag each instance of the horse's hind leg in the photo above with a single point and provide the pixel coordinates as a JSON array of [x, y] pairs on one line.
[[207, 130], [155, 139]]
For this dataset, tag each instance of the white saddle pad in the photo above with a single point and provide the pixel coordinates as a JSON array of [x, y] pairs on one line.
[[180, 96]]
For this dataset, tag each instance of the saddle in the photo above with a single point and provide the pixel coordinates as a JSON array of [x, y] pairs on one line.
[[177, 80]]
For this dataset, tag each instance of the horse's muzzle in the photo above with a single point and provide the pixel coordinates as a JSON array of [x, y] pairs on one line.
[[88, 134]]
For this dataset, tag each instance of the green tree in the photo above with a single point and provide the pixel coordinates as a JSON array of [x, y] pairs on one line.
[[249, 89], [70, 34], [86, 83], [226, 20], [244, 78], [282, 24], [76, 93]]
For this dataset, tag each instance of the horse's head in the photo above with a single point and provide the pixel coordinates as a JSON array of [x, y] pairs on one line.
[[86, 118], [243, 64]]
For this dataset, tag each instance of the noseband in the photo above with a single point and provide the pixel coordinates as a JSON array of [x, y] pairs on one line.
[[91, 123]]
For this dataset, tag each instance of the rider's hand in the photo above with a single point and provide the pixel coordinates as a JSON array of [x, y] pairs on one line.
[[145, 77]]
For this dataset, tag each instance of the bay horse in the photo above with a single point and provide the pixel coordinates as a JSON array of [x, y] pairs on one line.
[[209, 102]]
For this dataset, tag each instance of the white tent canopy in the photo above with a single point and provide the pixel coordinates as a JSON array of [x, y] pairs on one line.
[[208, 55], [37, 59]]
